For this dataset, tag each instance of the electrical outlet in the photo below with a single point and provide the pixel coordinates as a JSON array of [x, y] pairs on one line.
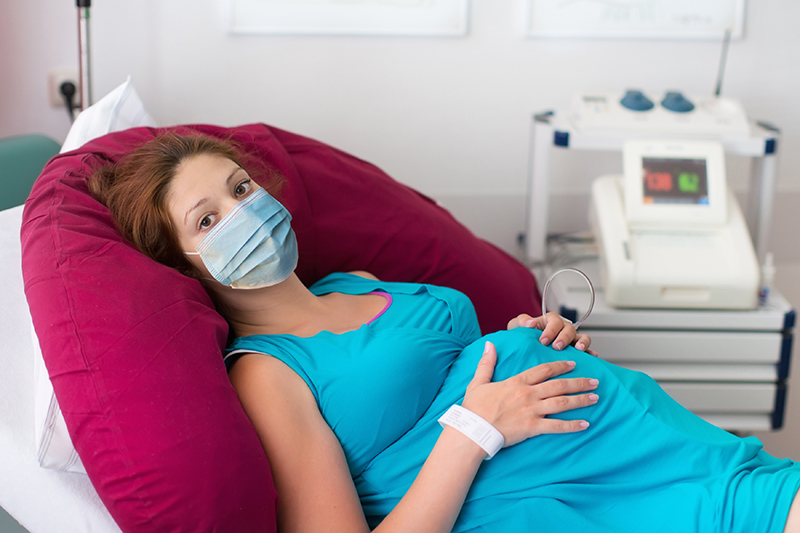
[[56, 78]]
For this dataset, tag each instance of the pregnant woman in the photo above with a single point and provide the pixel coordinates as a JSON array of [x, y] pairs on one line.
[[380, 406]]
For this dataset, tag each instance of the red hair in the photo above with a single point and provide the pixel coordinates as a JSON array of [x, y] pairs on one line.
[[135, 191]]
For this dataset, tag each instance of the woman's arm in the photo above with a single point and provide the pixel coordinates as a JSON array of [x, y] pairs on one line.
[[316, 492]]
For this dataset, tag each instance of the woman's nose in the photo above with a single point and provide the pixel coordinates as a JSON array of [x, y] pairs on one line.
[[227, 205]]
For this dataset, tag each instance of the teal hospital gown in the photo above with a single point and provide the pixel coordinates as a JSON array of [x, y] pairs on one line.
[[645, 464]]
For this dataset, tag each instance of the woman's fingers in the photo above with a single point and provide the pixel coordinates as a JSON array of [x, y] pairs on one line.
[[558, 330], [519, 406], [485, 370], [582, 342], [522, 321], [560, 387], [553, 425], [559, 404], [545, 371]]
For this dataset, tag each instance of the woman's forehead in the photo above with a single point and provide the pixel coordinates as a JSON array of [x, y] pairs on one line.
[[204, 169], [200, 175]]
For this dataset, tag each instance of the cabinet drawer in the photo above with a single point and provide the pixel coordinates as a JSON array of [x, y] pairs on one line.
[[739, 423], [724, 397], [665, 372], [622, 346]]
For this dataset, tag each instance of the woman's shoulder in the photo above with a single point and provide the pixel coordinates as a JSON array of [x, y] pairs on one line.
[[287, 351], [364, 274]]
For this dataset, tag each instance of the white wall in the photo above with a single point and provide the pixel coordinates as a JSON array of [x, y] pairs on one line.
[[445, 115], [448, 116]]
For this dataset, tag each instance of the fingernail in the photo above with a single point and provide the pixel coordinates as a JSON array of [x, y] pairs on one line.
[[544, 340], [584, 424], [558, 345], [581, 346], [486, 348], [530, 322], [593, 382], [571, 364], [593, 397]]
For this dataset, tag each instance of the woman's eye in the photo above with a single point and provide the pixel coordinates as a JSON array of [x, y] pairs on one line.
[[205, 222], [243, 187]]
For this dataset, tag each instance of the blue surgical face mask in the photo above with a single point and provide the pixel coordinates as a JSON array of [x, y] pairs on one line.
[[253, 246]]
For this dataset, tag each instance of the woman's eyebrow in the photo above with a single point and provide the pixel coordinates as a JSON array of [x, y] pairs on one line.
[[198, 204], [237, 169], [204, 200]]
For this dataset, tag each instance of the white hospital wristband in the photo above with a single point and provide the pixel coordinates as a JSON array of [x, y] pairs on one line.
[[476, 428]]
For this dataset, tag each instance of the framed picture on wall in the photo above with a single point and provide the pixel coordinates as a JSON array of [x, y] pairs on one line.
[[349, 17], [635, 19]]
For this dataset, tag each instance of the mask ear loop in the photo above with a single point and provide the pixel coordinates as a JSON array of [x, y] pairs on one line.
[[591, 291], [198, 253]]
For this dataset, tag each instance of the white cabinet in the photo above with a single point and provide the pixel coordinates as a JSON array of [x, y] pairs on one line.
[[728, 367]]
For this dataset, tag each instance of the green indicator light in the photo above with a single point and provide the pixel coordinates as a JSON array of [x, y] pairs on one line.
[[689, 182]]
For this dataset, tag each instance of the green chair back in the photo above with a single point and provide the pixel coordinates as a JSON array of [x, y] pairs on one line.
[[22, 159]]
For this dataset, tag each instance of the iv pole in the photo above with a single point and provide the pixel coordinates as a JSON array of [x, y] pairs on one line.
[[84, 53]]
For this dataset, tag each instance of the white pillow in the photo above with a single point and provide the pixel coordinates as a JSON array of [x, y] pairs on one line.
[[53, 444], [118, 110]]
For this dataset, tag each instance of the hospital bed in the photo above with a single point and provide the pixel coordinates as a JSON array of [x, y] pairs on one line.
[[140, 383], [40, 499]]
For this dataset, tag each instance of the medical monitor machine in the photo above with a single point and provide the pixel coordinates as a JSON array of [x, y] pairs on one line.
[[670, 231]]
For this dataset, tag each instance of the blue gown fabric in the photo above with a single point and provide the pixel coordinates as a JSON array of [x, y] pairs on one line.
[[644, 464]]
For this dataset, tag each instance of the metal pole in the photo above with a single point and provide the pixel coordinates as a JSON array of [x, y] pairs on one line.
[[725, 42], [84, 53], [541, 142], [763, 183]]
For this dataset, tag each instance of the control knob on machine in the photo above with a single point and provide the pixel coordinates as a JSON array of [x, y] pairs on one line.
[[636, 101], [675, 101]]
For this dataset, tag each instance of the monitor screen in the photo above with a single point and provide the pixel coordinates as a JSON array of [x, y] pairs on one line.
[[674, 181]]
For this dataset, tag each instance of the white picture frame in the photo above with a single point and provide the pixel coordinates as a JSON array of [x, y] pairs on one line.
[[635, 19], [349, 17]]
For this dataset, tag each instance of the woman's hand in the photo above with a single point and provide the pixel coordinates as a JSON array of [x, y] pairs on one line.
[[554, 326], [518, 407]]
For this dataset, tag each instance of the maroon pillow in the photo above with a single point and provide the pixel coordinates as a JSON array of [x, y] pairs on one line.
[[134, 349]]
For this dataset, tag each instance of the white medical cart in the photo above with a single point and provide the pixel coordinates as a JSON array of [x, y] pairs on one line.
[[729, 367]]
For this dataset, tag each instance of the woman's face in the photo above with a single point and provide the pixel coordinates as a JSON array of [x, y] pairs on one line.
[[205, 188]]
